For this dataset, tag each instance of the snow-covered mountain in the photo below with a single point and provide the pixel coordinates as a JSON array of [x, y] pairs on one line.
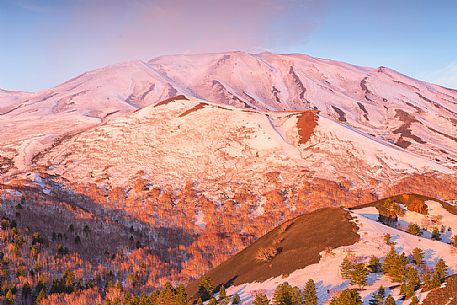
[[222, 148], [225, 147], [413, 114], [381, 103]]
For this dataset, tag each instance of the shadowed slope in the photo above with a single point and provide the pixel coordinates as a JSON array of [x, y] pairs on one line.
[[298, 242]]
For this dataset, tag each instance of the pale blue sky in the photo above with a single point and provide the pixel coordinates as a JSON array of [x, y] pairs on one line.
[[44, 43]]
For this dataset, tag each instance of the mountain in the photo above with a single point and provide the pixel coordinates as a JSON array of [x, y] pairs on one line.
[[313, 246], [385, 104], [221, 148], [146, 172], [415, 115]]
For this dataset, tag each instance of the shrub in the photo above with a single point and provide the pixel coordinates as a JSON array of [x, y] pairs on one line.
[[414, 229], [436, 235], [266, 255]]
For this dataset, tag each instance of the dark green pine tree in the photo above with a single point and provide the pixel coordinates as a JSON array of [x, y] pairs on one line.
[[427, 279], [167, 294], [309, 293], [418, 257], [436, 235], [297, 296], [345, 268], [205, 288], [181, 297], [9, 298], [347, 297], [412, 281], [41, 296], [374, 265], [435, 282], [441, 269], [395, 265], [359, 275], [261, 299], [378, 297], [222, 293], [284, 294]]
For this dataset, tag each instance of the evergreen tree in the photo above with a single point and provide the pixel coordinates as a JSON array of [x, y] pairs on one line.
[[374, 265], [418, 257], [222, 293], [389, 300], [345, 268], [297, 296], [199, 301], [166, 295], [41, 296], [68, 279], [309, 293], [347, 297], [285, 294], [427, 279], [181, 296], [411, 283], [395, 265], [441, 269], [435, 282], [359, 275], [212, 302], [414, 301], [388, 239], [205, 288], [261, 299], [378, 297], [9, 298]]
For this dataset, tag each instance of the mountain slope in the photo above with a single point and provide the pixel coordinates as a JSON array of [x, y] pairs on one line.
[[415, 115], [248, 276], [222, 148], [299, 247]]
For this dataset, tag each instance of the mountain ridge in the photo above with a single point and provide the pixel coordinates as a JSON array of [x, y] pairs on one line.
[[415, 115]]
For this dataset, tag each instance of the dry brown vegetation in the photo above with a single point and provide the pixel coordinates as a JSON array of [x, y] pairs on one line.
[[144, 235]]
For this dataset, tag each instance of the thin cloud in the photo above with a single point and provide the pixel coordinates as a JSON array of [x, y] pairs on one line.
[[141, 29], [446, 76], [33, 6]]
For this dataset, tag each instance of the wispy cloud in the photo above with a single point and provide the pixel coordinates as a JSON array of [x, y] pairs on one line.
[[32, 5], [446, 76], [139, 28]]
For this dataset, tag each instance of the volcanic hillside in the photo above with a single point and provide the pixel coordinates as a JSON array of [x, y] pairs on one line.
[[314, 245], [414, 115], [222, 148]]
